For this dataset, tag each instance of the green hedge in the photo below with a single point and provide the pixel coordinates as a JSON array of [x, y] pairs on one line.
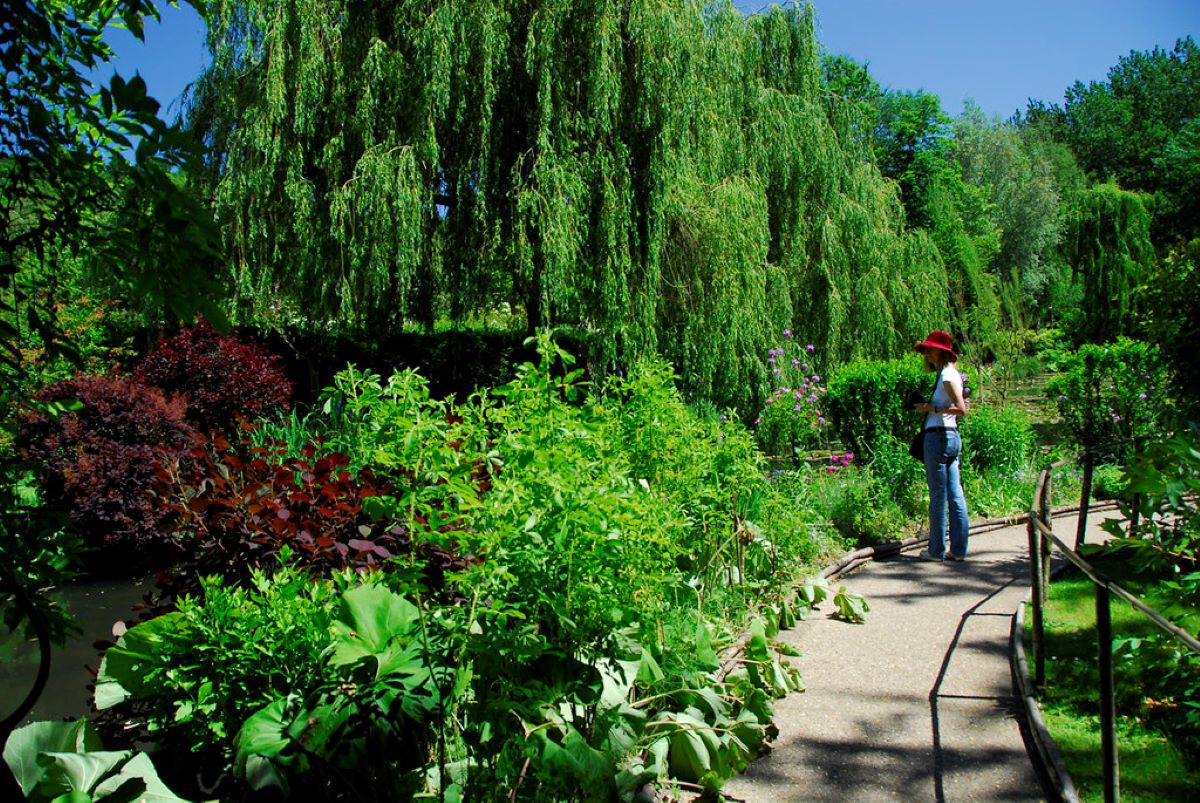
[[869, 399]]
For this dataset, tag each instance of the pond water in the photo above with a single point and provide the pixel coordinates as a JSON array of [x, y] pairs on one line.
[[96, 606]]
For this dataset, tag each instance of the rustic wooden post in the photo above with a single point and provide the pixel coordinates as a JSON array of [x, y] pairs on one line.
[[1044, 506], [1035, 572], [1085, 498], [1108, 706]]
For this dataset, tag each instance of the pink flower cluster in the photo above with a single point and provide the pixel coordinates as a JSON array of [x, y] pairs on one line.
[[838, 462]]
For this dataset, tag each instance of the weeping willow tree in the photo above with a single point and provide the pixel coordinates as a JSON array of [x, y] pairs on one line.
[[1109, 250], [659, 175]]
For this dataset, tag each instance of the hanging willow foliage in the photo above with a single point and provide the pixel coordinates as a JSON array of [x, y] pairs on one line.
[[1109, 250], [660, 175]]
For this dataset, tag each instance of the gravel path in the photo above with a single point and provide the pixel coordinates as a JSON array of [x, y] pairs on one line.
[[917, 703]]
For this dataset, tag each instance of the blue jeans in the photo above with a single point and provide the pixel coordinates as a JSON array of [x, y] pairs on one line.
[[942, 450]]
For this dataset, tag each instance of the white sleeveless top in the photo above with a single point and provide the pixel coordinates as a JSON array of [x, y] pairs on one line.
[[942, 399]]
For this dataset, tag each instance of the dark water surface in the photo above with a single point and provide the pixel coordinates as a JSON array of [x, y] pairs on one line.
[[96, 605]]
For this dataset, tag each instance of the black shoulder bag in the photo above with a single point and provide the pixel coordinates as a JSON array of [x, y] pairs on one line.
[[916, 447]]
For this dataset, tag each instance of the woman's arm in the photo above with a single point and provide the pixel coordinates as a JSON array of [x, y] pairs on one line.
[[958, 405]]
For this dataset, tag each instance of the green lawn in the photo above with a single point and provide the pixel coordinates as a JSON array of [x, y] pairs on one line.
[[1158, 754]]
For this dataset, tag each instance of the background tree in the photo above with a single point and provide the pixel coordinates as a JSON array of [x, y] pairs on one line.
[[1169, 314], [1108, 247], [58, 136], [1022, 200], [658, 175], [1138, 128]]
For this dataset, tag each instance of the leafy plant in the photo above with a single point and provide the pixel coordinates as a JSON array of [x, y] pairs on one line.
[[205, 668], [65, 761], [384, 698], [1113, 393], [291, 680], [998, 439], [97, 454], [242, 511], [47, 550], [222, 377], [871, 399], [850, 606], [1161, 525], [792, 419]]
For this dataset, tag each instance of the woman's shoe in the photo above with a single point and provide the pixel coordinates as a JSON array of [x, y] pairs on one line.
[[925, 554]]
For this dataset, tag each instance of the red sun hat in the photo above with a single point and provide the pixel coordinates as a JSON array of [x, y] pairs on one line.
[[938, 340]]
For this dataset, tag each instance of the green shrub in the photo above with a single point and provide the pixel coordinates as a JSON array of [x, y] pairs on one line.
[[997, 439], [871, 399], [1109, 482], [202, 671], [1113, 393], [902, 477]]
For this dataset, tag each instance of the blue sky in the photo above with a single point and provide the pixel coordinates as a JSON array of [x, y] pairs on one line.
[[997, 52]]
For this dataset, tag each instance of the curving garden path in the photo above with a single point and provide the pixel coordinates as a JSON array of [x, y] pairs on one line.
[[917, 703]]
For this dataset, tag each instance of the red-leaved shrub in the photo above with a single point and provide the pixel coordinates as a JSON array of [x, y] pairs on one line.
[[98, 463], [221, 376], [243, 510]]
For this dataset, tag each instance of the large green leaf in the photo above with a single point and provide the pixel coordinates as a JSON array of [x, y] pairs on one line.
[[262, 738], [82, 772], [28, 742], [130, 668], [139, 769], [377, 624]]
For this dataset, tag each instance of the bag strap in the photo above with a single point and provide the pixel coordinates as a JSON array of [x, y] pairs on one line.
[[936, 385]]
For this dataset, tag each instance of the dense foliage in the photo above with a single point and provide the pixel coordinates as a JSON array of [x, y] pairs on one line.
[[871, 400], [369, 173], [1109, 395], [98, 459], [240, 513], [58, 194], [617, 540], [222, 377]]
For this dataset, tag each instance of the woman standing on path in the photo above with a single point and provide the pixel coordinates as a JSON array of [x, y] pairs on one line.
[[943, 447]]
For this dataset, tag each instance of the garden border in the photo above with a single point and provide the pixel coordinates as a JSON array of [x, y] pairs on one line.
[[1047, 749]]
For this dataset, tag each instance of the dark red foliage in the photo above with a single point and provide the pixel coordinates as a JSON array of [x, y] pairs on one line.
[[222, 377], [99, 463], [243, 511]]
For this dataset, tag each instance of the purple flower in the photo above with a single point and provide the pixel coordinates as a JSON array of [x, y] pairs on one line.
[[778, 371], [770, 400], [771, 360], [811, 348], [787, 332], [796, 408], [721, 437], [821, 421], [757, 421], [795, 363], [724, 417], [816, 378]]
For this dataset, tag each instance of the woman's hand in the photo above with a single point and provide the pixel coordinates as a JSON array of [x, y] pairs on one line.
[[924, 407]]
